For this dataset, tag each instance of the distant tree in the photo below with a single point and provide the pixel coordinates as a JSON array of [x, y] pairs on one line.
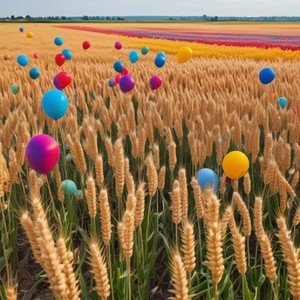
[[85, 18], [28, 17], [12, 17], [64, 18]]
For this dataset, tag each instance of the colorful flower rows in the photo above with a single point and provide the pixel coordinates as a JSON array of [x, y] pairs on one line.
[[291, 42]]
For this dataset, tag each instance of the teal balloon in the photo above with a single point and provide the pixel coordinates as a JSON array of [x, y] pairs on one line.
[[22, 60], [69, 157], [282, 102], [69, 187], [15, 89], [67, 54], [134, 56], [34, 73], [55, 104], [207, 178], [145, 50]]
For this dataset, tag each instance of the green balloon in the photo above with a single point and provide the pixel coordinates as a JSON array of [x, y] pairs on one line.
[[15, 89]]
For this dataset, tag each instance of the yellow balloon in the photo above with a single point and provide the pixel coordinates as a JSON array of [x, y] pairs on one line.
[[235, 164], [184, 54], [29, 34]]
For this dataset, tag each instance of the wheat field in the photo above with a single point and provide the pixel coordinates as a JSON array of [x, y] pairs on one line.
[[140, 227]]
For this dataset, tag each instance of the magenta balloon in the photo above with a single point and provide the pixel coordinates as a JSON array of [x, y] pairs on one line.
[[126, 83], [42, 153], [155, 82]]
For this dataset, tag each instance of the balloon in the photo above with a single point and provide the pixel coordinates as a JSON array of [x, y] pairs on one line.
[[134, 56], [184, 54], [60, 59], [21, 29], [66, 145], [111, 82], [34, 73], [15, 89], [58, 41], [86, 45], [118, 66], [155, 82], [69, 187], [145, 50], [160, 60], [55, 104], [22, 60], [235, 164], [124, 71], [207, 178], [282, 102], [69, 157], [29, 34], [35, 55], [118, 78], [266, 75], [56, 83], [126, 83], [67, 54], [118, 45], [64, 79], [42, 153], [161, 54]]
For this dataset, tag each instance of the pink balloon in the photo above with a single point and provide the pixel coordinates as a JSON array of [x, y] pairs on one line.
[[118, 45], [42, 153], [155, 82]]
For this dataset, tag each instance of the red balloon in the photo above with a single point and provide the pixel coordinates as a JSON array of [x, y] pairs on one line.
[[117, 78], [124, 71], [86, 45], [35, 55], [60, 59], [64, 79], [42, 153]]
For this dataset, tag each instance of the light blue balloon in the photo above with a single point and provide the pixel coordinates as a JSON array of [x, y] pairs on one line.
[[55, 104], [282, 102], [69, 187], [145, 50], [134, 56], [207, 178], [22, 60], [69, 157], [58, 41], [34, 73], [67, 54], [15, 89]]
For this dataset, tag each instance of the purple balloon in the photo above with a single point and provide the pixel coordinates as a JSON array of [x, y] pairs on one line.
[[155, 82], [111, 82], [57, 84], [126, 83], [42, 153]]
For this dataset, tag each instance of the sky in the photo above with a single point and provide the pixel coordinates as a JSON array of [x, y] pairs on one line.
[[149, 7]]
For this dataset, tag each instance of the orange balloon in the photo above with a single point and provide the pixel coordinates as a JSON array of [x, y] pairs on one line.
[[235, 164]]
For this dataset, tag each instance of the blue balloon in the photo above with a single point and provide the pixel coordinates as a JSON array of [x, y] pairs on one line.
[[67, 54], [266, 75], [160, 60], [207, 178], [55, 104], [34, 73], [282, 102], [21, 29], [58, 41], [134, 56], [145, 50], [161, 54], [69, 187], [15, 89], [118, 66], [22, 60], [79, 195], [69, 157]]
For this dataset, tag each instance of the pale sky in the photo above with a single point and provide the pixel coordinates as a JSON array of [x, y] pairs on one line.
[[149, 7]]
